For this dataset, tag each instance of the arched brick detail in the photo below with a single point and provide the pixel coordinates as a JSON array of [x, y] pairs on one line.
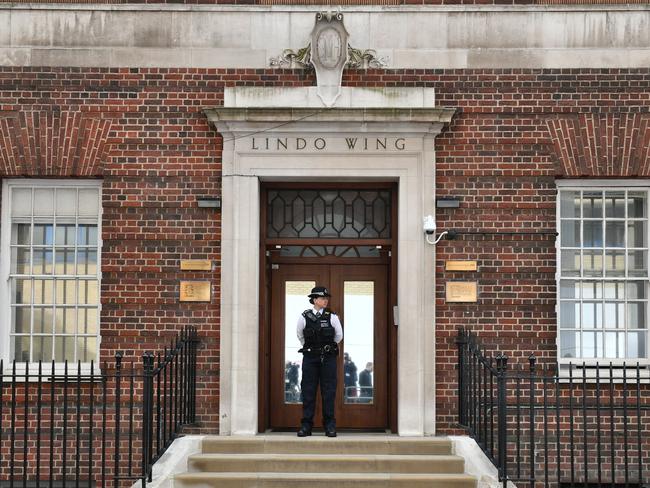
[[600, 145], [53, 143]]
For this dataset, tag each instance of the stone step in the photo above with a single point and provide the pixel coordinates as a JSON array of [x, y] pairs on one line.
[[324, 480], [327, 463], [283, 444]]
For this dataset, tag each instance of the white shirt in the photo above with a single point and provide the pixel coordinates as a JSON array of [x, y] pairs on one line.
[[334, 320]]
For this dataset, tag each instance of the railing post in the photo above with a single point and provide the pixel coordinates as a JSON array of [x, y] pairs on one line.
[[502, 365], [116, 447], [461, 341], [147, 416]]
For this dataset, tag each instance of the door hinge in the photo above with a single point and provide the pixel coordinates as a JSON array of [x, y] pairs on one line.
[[275, 266]]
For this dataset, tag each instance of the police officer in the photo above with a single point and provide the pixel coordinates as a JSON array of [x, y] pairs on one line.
[[319, 331]]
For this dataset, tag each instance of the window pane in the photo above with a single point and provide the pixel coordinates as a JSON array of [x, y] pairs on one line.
[[87, 292], [570, 315], [66, 201], [65, 292], [43, 320], [87, 235], [42, 261], [22, 320], [22, 291], [636, 315], [615, 234], [64, 261], [637, 263], [615, 204], [65, 320], [636, 290], [43, 291], [614, 315], [88, 202], [637, 345], [86, 349], [592, 205], [570, 344], [614, 345], [43, 201], [64, 349], [21, 348], [87, 320], [615, 290], [570, 262], [636, 206], [592, 233], [570, 233], [592, 344], [43, 348], [569, 289], [593, 263], [65, 235], [22, 234], [43, 234], [87, 264], [592, 315], [21, 202], [20, 260], [592, 289], [615, 263], [637, 234], [570, 204]]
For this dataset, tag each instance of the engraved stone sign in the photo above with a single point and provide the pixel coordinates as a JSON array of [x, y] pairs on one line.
[[329, 54]]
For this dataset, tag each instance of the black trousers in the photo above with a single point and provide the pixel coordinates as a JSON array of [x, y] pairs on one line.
[[315, 371]]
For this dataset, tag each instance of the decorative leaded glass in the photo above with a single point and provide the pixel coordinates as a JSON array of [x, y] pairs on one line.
[[337, 251], [351, 214]]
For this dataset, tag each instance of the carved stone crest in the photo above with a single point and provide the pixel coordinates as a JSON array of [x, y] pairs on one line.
[[329, 54]]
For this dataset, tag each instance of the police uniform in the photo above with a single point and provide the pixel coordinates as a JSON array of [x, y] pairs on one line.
[[319, 332]]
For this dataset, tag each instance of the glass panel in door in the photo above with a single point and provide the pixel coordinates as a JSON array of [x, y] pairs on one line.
[[358, 357], [294, 304]]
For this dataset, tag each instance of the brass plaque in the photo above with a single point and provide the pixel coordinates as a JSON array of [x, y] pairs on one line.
[[461, 266], [196, 265], [195, 291], [461, 291]]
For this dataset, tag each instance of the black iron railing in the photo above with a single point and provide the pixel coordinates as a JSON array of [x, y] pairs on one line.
[[79, 427], [584, 425]]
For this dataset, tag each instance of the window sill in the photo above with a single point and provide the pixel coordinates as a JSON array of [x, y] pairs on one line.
[[74, 372], [591, 371]]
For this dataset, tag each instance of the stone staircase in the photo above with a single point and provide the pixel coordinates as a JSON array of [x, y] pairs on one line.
[[349, 461]]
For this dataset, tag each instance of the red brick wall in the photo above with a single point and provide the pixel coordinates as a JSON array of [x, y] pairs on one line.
[[144, 134]]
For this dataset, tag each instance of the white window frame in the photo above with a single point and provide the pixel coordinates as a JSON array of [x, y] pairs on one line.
[[590, 363], [5, 268]]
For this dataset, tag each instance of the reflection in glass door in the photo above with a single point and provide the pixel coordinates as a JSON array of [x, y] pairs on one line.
[[294, 305], [358, 358]]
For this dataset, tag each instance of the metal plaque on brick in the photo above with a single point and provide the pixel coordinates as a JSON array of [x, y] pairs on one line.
[[195, 291], [460, 265], [461, 292], [196, 265]]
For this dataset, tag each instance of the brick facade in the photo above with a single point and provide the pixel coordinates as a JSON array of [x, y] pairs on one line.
[[142, 131]]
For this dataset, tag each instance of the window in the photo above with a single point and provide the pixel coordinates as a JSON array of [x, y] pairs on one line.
[[50, 270], [603, 271]]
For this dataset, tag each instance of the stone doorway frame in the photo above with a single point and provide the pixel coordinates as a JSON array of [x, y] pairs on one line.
[[243, 169]]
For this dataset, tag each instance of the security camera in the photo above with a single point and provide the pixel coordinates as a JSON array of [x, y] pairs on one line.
[[429, 224]]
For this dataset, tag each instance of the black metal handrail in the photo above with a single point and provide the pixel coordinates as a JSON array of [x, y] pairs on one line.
[[547, 426], [79, 427]]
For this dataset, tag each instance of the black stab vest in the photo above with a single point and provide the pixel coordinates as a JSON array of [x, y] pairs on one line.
[[318, 331]]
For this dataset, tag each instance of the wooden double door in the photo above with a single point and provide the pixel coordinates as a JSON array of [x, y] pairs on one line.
[[360, 299]]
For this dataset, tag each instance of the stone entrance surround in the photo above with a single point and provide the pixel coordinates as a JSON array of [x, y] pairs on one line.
[[341, 144]]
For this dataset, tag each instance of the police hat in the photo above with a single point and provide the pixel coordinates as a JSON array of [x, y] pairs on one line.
[[319, 292]]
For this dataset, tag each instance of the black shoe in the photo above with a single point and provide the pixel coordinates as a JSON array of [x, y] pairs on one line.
[[304, 432], [330, 433]]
